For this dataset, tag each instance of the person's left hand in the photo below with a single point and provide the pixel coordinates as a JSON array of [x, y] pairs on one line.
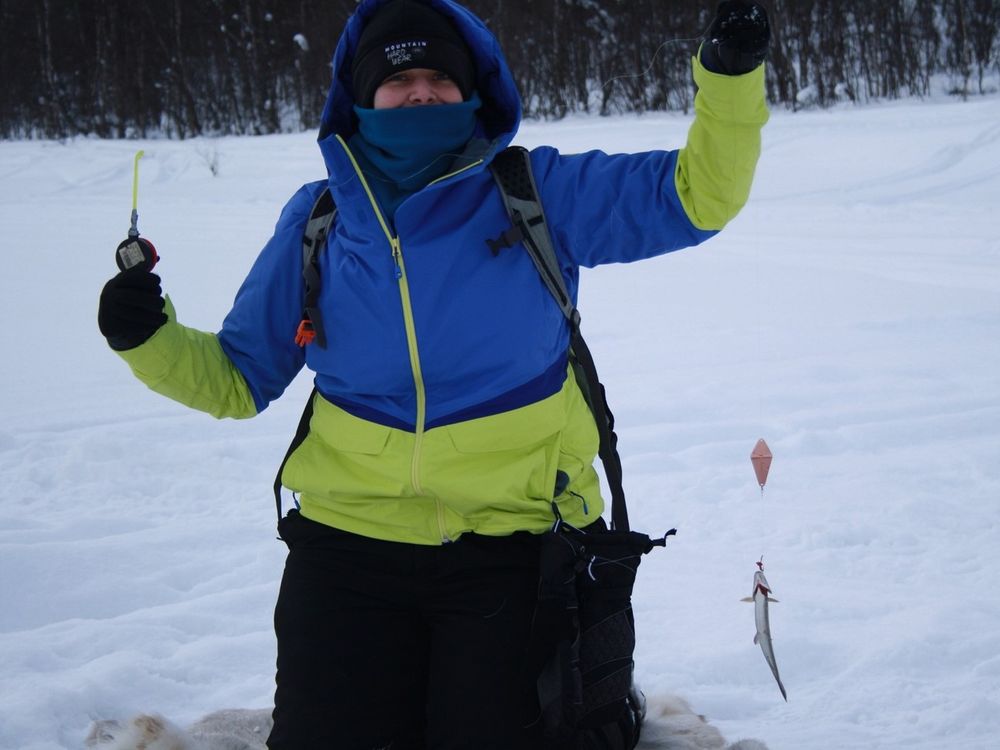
[[738, 39]]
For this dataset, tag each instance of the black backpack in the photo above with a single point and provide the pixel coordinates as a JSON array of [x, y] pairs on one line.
[[583, 633]]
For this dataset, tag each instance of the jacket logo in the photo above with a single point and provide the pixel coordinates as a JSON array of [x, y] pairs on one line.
[[405, 52]]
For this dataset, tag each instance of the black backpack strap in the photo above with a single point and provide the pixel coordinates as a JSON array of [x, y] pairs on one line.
[[311, 329], [321, 217], [300, 434], [608, 445], [511, 169]]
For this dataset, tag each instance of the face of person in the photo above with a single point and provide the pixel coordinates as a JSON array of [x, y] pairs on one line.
[[416, 87]]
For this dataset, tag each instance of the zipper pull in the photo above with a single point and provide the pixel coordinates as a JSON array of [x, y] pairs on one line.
[[397, 258]]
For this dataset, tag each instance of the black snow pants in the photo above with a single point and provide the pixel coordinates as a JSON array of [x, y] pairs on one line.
[[390, 646]]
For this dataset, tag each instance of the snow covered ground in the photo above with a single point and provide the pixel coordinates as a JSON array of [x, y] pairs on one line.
[[850, 316]]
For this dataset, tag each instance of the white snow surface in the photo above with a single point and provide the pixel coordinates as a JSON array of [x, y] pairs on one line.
[[850, 316]]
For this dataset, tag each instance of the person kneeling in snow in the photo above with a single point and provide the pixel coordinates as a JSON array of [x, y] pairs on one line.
[[446, 421]]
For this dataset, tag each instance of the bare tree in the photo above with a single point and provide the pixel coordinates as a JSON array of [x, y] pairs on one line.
[[133, 68], [984, 17]]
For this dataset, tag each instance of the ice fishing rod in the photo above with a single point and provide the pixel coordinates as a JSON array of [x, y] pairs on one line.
[[135, 250]]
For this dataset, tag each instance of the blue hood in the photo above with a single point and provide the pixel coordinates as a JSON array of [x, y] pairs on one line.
[[501, 111]]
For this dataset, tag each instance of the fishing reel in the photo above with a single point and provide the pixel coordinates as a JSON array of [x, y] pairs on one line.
[[135, 250]]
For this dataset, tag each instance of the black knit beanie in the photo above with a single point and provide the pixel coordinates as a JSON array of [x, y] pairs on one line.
[[406, 34]]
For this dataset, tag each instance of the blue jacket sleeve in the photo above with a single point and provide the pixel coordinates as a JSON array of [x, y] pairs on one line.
[[614, 208], [620, 208], [258, 334]]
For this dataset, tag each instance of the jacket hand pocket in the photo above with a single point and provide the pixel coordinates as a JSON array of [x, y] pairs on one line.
[[345, 456]]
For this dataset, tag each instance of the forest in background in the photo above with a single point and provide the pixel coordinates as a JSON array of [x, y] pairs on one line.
[[182, 68]]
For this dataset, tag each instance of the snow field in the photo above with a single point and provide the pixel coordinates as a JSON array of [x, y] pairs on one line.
[[849, 316]]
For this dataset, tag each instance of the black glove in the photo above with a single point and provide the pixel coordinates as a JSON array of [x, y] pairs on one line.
[[738, 38], [131, 308]]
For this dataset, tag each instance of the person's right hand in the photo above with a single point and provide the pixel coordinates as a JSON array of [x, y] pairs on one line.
[[131, 308]]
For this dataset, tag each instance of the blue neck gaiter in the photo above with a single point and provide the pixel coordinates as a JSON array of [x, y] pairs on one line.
[[402, 150]]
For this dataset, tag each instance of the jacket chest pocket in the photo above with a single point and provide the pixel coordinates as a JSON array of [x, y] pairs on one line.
[[507, 461]]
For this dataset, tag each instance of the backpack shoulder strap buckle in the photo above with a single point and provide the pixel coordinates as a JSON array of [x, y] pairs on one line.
[[509, 238]]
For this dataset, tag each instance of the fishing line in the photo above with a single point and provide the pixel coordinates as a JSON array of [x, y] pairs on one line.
[[656, 54]]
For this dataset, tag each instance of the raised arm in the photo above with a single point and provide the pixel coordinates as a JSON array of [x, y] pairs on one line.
[[624, 207]]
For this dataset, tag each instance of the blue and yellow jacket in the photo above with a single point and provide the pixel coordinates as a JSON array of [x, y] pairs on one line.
[[444, 402]]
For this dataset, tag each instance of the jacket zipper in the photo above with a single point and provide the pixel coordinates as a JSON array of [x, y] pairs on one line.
[[418, 377], [457, 171], [411, 343]]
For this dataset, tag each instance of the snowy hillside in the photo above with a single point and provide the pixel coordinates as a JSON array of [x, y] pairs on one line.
[[850, 315]]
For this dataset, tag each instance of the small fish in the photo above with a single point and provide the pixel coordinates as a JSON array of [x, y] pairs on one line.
[[760, 596]]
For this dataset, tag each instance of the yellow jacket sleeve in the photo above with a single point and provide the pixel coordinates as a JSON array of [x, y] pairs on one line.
[[715, 168], [190, 367]]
